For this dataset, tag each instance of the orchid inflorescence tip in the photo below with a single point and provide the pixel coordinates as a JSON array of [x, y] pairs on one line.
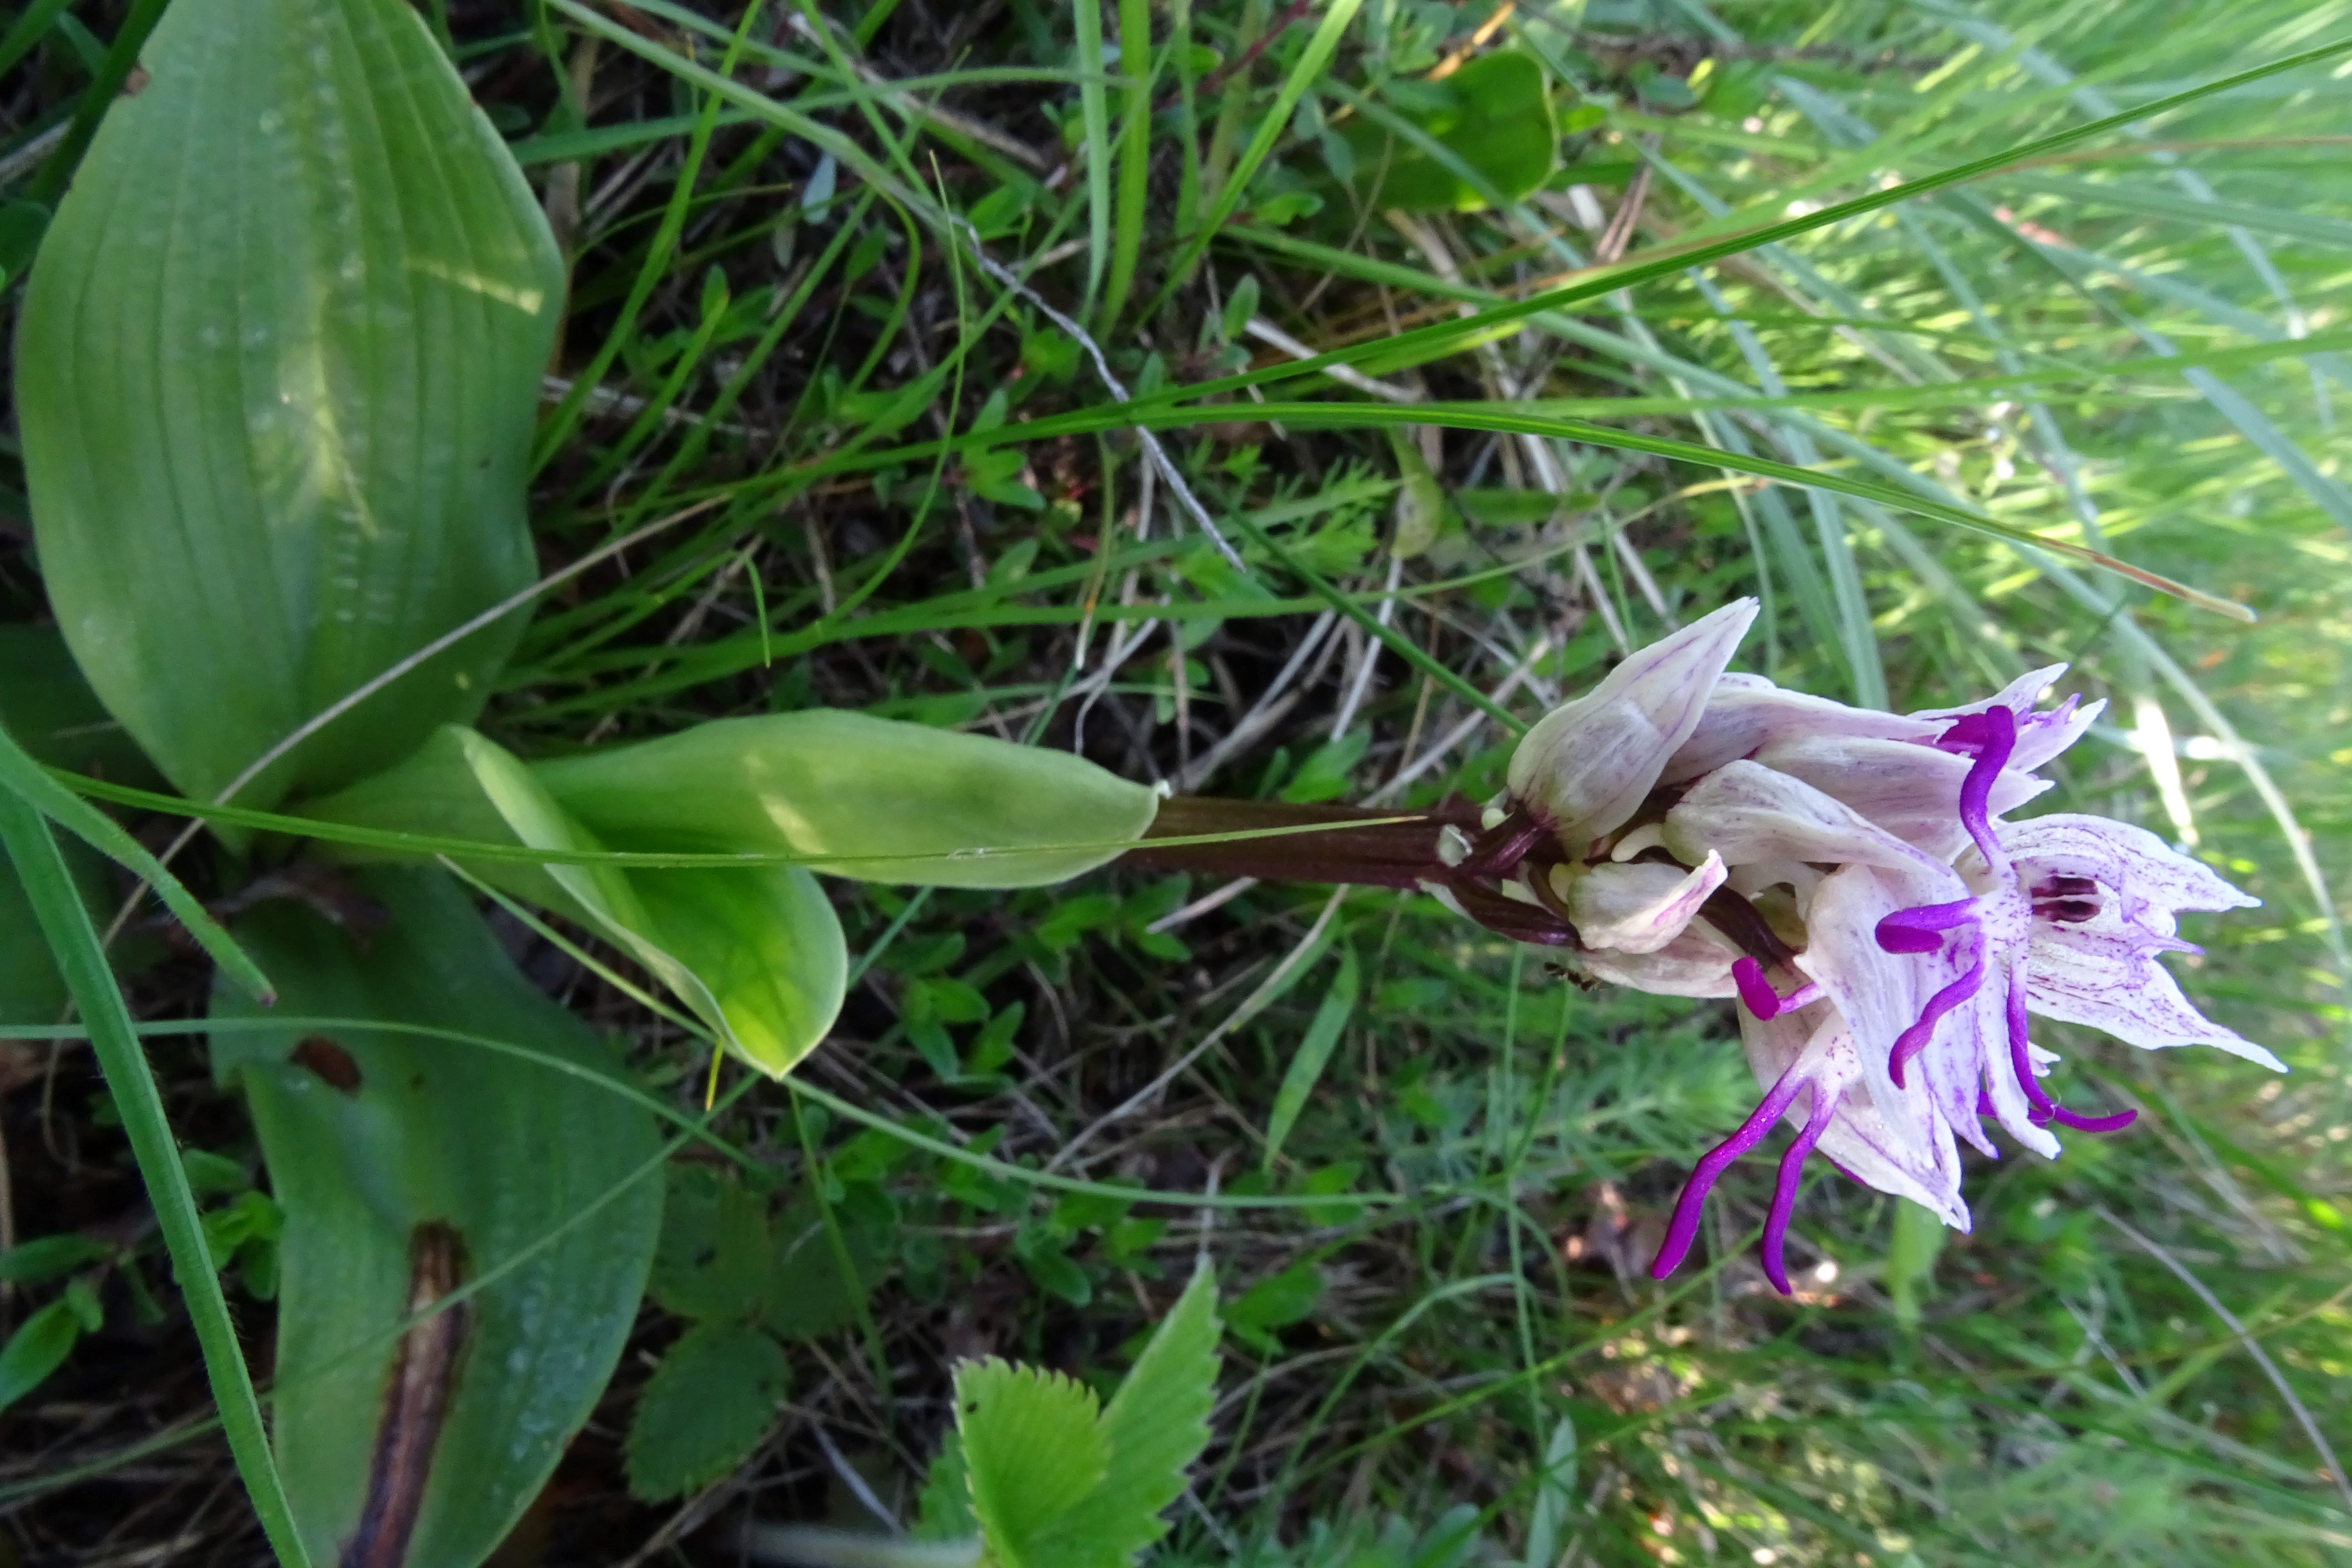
[[1852, 879]]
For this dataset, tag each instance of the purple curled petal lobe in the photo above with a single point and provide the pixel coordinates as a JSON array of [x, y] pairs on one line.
[[1784, 1189], [2081, 1124], [1755, 991], [1914, 1040], [1994, 733], [2021, 1060], [1920, 928], [1682, 1229]]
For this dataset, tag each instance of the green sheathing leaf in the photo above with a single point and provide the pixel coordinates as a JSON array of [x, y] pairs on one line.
[[756, 952], [1155, 1426], [276, 374], [1033, 1448], [369, 1134], [765, 944], [706, 1405], [877, 799]]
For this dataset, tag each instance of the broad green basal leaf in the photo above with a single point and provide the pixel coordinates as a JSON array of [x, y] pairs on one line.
[[877, 799], [755, 950], [276, 374], [408, 1167]]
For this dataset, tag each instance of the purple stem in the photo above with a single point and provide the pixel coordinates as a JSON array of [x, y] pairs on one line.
[[1682, 1229], [1784, 1192], [1914, 1040]]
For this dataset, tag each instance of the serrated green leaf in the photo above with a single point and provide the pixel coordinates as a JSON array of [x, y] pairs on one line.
[[715, 1262], [407, 1166], [809, 1295], [943, 1512], [1033, 1449], [877, 799], [1155, 1426], [276, 374], [37, 1348], [705, 1408]]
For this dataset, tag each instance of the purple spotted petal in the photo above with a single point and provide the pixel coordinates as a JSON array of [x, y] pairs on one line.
[[1585, 766], [1745, 714], [1910, 790]]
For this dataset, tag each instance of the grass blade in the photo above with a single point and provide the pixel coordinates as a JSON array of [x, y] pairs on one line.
[[49, 886]]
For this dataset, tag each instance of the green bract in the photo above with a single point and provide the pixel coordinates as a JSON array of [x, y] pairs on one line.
[[875, 799], [410, 1164], [278, 369]]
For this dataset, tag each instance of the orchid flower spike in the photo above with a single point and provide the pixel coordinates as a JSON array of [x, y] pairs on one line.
[[1852, 877]]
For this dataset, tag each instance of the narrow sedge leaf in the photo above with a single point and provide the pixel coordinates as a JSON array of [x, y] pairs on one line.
[[21, 775], [115, 1040], [276, 373], [408, 1166], [1153, 1428], [1314, 1047]]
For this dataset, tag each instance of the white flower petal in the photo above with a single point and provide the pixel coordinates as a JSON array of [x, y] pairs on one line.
[[1587, 765], [1695, 963], [1746, 712], [1640, 907], [1882, 994], [2103, 975], [1749, 812], [1911, 791], [1909, 1156], [2135, 863], [2039, 736]]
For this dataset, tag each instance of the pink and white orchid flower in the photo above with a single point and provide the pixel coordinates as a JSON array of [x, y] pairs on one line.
[[1848, 874]]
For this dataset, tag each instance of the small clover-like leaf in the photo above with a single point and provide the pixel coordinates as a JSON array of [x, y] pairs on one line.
[[705, 1408]]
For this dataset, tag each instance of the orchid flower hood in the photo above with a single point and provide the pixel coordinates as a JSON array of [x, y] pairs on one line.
[[1853, 878]]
